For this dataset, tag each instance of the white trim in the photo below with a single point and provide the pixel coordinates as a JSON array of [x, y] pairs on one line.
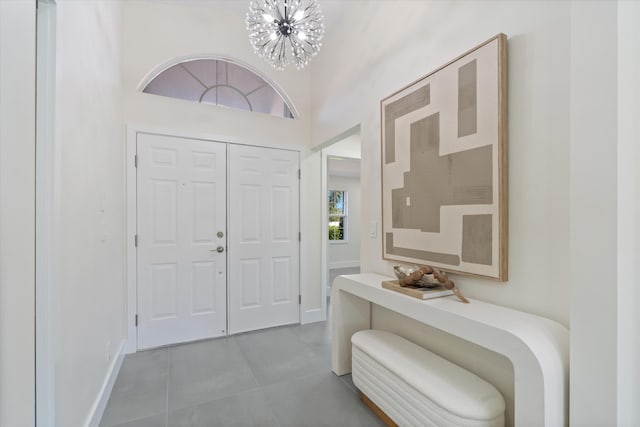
[[130, 247], [324, 270], [314, 315], [131, 214], [138, 128], [300, 311], [185, 58], [344, 135], [628, 211], [344, 264], [47, 192], [226, 236], [100, 404]]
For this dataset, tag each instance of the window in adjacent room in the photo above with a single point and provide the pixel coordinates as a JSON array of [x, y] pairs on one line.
[[338, 209]]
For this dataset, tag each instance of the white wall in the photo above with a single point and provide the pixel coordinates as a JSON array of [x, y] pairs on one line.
[[552, 89], [539, 41], [17, 212], [158, 32], [90, 202], [349, 146], [347, 253], [628, 213], [593, 228]]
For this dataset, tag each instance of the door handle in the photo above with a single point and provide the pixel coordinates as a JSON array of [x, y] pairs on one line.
[[219, 249]]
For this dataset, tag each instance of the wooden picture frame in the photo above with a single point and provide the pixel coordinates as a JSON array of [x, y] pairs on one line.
[[444, 166]]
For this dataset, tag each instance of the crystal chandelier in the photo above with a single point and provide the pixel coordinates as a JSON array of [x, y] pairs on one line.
[[284, 29]]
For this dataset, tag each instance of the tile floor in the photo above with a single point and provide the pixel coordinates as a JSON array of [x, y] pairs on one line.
[[277, 377]]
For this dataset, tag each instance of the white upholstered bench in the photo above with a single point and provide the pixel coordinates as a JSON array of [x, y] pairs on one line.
[[414, 387]]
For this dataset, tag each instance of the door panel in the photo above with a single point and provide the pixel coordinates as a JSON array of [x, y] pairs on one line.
[[163, 291], [164, 212], [249, 211], [263, 238], [249, 277], [203, 291], [181, 185], [281, 272]]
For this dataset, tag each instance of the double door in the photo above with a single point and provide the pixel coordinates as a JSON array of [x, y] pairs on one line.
[[217, 246]]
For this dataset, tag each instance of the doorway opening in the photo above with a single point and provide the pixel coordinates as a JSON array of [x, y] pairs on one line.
[[341, 207]]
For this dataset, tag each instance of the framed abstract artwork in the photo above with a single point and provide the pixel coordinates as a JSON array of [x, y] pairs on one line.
[[444, 166]]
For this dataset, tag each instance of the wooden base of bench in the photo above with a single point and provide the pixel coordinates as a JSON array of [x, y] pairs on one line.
[[379, 412]]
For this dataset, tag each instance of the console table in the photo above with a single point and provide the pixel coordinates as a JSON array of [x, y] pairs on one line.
[[537, 347]]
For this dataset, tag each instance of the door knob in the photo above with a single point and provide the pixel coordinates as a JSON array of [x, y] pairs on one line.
[[220, 249]]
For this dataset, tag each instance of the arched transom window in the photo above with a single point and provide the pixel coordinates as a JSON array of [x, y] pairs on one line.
[[219, 82]]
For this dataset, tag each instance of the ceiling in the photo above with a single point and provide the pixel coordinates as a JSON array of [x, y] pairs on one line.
[[329, 8], [341, 166]]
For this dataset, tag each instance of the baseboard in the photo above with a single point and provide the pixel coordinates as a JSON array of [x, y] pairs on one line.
[[312, 316], [344, 264], [100, 404], [130, 343]]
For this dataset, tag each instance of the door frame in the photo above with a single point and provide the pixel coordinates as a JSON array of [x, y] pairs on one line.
[[324, 189], [131, 194], [46, 198]]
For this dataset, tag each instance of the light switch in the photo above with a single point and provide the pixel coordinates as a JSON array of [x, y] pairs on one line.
[[373, 229]]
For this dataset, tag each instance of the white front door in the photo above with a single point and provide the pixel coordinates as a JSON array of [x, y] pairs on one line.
[[263, 238], [181, 223]]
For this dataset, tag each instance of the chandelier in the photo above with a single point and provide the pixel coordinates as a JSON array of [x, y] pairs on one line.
[[285, 30]]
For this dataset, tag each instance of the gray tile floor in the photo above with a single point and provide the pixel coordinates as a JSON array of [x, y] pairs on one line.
[[277, 377]]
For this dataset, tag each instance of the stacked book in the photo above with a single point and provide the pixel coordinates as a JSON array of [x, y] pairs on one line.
[[418, 291]]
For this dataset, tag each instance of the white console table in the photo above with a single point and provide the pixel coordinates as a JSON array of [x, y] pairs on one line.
[[537, 347]]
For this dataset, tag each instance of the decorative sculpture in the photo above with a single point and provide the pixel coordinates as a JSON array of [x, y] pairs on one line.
[[427, 276]]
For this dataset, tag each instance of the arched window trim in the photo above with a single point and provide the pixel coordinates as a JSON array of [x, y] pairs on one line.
[[246, 99], [159, 69]]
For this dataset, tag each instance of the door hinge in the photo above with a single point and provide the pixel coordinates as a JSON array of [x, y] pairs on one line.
[[135, 240], [299, 174], [135, 160], [299, 299], [299, 236], [136, 320]]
